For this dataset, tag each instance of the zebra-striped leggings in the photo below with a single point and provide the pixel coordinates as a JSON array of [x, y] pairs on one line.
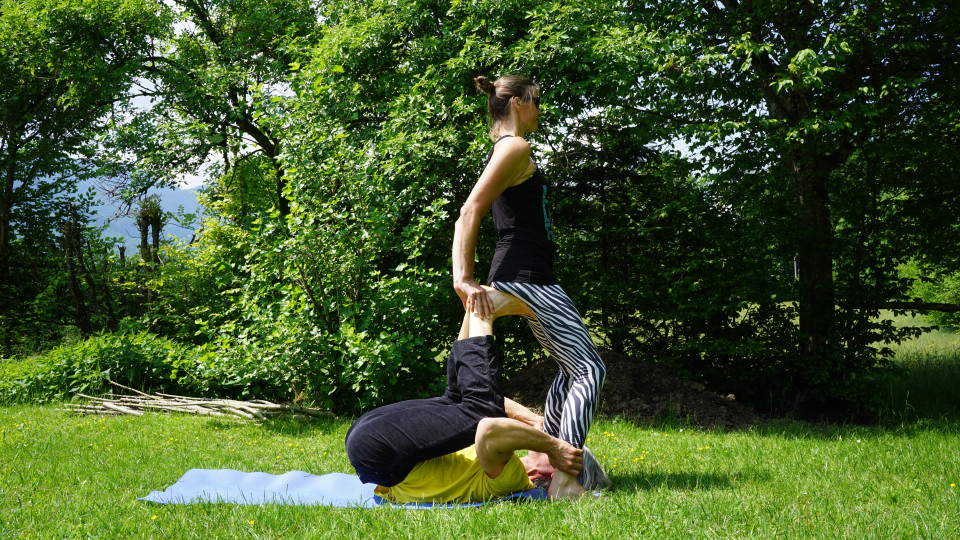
[[574, 395]]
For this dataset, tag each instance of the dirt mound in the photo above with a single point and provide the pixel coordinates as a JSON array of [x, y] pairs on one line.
[[641, 391]]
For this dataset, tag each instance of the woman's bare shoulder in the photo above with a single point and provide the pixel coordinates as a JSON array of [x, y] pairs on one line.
[[513, 148]]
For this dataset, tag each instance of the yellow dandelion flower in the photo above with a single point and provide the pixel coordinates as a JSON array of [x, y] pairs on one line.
[[154, 517], [953, 485]]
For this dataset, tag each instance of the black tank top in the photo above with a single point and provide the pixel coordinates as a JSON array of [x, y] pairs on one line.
[[526, 245]]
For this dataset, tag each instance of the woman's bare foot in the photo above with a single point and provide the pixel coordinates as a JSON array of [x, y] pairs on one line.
[[507, 304], [565, 486]]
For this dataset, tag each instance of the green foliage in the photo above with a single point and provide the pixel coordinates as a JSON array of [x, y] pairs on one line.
[[938, 287], [807, 118], [383, 139], [139, 360], [195, 287], [63, 65], [217, 89], [65, 281], [143, 361], [347, 135]]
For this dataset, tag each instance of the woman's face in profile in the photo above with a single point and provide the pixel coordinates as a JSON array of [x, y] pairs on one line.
[[530, 113]]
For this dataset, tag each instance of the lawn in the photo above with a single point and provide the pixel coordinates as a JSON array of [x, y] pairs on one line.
[[66, 476]]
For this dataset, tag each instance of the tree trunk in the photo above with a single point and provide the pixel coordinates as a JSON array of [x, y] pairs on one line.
[[157, 224], [284, 204], [144, 225], [815, 259], [6, 202], [71, 242]]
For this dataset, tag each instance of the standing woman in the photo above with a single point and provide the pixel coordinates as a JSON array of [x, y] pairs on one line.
[[514, 188]]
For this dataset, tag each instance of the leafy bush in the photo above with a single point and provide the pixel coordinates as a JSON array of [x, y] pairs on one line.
[[142, 361], [139, 360], [933, 286]]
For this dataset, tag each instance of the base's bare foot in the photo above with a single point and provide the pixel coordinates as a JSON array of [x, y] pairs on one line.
[[507, 304], [565, 486]]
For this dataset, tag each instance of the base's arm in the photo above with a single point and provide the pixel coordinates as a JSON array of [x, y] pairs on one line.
[[498, 438]]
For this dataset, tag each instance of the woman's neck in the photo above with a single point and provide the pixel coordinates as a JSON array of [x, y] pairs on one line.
[[509, 126]]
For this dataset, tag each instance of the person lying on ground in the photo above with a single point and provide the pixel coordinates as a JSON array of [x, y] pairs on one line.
[[461, 447]]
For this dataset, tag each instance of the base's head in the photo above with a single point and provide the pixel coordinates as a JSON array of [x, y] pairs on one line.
[[538, 470]]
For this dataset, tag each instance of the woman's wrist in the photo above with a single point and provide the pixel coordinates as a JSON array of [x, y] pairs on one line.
[[464, 281]]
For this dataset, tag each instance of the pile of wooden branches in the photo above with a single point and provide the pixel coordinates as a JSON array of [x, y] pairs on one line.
[[116, 404]]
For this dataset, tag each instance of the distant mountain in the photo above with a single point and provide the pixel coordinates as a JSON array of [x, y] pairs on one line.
[[174, 200]]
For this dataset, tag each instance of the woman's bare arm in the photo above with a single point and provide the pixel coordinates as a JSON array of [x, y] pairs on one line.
[[510, 161]]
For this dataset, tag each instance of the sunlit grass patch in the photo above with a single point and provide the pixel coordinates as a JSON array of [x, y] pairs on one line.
[[68, 476]]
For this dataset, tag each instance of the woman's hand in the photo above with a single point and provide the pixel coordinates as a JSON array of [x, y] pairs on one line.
[[510, 160], [474, 298]]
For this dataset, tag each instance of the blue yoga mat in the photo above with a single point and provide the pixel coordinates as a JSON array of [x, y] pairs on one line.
[[292, 488]]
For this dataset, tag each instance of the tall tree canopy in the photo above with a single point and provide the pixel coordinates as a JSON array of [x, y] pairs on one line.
[[799, 107], [784, 104], [64, 64], [218, 89], [823, 139]]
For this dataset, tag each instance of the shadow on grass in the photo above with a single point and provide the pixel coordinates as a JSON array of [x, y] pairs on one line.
[[674, 481], [294, 427], [827, 431]]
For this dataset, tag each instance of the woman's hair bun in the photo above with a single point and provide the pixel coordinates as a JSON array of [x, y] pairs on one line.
[[485, 86]]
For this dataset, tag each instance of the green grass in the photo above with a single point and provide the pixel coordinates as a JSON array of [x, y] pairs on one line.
[[68, 476], [928, 387], [63, 476]]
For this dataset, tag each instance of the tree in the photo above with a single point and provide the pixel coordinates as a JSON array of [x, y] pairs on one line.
[[63, 66], [219, 91], [364, 119], [785, 97]]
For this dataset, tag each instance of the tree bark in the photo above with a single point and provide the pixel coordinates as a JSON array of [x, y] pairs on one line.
[[815, 259], [156, 222], [144, 225], [71, 237], [6, 202]]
